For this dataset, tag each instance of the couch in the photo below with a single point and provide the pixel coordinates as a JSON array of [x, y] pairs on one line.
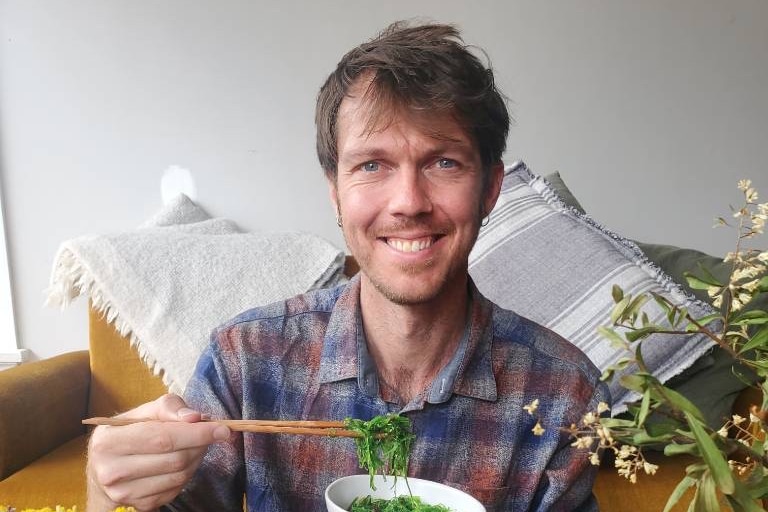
[[42, 404]]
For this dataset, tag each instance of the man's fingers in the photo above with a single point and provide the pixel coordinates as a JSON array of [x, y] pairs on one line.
[[165, 470], [148, 493], [169, 407]]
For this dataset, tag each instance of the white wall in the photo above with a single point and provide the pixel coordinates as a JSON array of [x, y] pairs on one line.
[[651, 111]]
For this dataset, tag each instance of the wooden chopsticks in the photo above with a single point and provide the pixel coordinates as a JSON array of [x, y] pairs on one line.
[[303, 427]]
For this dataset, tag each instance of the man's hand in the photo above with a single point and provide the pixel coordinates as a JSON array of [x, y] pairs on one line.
[[145, 465]]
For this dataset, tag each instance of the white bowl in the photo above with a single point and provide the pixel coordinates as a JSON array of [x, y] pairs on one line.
[[340, 494]]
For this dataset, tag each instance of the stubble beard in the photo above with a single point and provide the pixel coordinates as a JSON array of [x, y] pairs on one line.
[[379, 279]]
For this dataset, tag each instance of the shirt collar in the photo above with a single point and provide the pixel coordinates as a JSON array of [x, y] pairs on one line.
[[469, 372]]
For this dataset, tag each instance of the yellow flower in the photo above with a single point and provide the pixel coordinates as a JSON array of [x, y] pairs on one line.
[[538, 429]]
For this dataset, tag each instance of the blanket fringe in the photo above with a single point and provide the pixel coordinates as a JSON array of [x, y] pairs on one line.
[[70, 279]]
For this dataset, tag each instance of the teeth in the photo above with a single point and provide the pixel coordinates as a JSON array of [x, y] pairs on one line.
[[410, 245]]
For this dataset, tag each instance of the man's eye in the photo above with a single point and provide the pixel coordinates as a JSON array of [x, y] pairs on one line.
[[370, 166], [446, 163]]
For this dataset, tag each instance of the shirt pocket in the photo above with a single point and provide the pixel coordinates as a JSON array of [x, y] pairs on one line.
[[492, 498]]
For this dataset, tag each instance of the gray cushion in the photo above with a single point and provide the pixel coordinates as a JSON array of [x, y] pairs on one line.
[[711, 383], [550, 263]]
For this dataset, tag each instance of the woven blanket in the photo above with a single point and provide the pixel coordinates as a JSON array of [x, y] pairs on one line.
[[167, 284]]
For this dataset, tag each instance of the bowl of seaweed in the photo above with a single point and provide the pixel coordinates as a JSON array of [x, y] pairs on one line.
[[383, 449], [354, 494]]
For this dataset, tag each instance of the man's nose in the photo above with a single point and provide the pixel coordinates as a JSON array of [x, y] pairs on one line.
[[410, 193]]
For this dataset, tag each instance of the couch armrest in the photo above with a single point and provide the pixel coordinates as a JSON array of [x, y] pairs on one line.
[[41, 406]]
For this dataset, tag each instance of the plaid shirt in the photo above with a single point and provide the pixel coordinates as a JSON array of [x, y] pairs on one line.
[[306, 358]]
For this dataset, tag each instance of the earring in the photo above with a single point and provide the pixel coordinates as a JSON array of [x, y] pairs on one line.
[[338, 218], [485, 221]]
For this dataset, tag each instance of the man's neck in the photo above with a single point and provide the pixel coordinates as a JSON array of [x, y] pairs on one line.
[[411, 343]]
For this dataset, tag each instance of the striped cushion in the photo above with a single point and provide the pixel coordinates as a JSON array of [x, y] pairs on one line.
[[556, 266]]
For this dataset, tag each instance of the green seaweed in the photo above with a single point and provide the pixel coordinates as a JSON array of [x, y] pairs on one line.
[[384, 445], [397, 504]]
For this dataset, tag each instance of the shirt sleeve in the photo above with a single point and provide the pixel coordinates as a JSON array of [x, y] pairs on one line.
[[219, 482]]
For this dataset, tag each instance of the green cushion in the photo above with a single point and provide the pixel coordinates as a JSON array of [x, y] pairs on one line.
[[563, 192]]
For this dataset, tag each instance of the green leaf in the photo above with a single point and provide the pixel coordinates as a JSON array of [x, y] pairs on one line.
[[759, 339], [645, 407], [762, 285], [757, 484], [706, 495], [753, 316], [661, 301], [679, 491], [721, 473], [742, 501], [640, 333], [678, 449], [678, 401], [633, 383], [698, 283], [637, 303], [616, 423], [612, 336], [618, 310], [642, 438], [617, 293]]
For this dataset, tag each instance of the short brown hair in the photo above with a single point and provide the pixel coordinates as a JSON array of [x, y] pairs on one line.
[[423, 68]]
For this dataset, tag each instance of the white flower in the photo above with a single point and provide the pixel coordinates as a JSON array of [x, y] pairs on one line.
[[603, 407], [538, 429], [532, 407], [594, 459], [744, 273], [589, 418], [738, 420], [744, 185], [650, 469], [583, 442]]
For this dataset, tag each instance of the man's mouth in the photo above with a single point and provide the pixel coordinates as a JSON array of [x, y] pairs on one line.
[[410, 245]]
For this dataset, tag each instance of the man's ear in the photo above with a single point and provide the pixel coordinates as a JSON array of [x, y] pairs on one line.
[[493, 188]]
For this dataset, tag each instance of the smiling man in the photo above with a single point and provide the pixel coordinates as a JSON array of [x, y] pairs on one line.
[[411, 130]]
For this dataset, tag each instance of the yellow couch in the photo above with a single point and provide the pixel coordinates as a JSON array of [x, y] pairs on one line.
[[43, 443]]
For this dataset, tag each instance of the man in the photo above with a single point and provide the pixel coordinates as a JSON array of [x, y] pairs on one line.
[[411, 130]]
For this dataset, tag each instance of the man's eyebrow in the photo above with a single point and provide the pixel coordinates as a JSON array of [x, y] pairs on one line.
[[362, 154]]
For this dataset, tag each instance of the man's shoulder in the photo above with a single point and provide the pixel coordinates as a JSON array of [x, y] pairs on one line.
[[545, 345]]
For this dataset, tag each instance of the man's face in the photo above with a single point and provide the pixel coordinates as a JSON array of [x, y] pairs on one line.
[[411, 198]]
